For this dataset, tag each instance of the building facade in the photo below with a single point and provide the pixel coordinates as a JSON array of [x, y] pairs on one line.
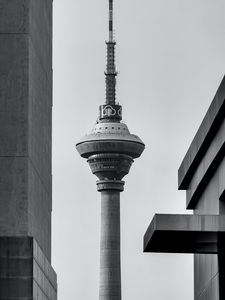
[[202, 175], [25, 150]]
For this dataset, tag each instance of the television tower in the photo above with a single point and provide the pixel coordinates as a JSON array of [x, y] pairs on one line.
[[110, 150]]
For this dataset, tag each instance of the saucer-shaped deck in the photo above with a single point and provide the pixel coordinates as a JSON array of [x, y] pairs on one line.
[[110, 138]]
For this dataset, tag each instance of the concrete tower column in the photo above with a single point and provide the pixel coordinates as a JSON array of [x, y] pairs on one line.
[[110, 271]]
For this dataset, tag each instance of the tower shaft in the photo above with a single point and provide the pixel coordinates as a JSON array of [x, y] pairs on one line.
[[110, 274]]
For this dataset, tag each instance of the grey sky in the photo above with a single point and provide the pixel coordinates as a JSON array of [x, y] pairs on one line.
[[170, 55]]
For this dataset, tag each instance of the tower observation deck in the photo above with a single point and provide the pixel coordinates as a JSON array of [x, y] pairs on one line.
[[110, 150]]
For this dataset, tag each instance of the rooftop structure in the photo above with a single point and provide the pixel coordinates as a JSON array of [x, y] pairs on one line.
[[110, 150]]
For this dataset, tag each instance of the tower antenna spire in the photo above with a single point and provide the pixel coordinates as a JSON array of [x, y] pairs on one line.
[[111, 20], [110, 67]]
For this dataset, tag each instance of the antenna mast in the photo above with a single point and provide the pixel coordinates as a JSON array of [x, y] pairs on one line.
[[110, 68], [110, 111], [111, 20]]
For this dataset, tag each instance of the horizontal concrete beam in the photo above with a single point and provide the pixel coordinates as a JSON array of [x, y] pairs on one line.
[[185, 234], [206, 170], [203, 138]]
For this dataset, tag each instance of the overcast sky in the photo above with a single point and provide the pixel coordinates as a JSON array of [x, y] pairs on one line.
[[171, 58]]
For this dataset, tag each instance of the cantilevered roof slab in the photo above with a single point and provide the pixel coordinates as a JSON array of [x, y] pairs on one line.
[[185, 234]]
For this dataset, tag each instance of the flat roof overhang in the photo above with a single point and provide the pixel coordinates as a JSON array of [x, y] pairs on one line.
[[185, 234]]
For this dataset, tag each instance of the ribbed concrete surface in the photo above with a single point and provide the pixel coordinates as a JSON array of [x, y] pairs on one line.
[[110, 275]]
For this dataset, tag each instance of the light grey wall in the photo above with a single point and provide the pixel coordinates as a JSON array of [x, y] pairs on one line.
[[170, 55]]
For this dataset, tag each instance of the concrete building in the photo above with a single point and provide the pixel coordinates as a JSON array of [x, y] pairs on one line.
[[202, 175], [25, 150], [110, 150]]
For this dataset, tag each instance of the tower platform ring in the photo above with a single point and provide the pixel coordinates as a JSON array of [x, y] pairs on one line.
[[110, 138], [104, 185]]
